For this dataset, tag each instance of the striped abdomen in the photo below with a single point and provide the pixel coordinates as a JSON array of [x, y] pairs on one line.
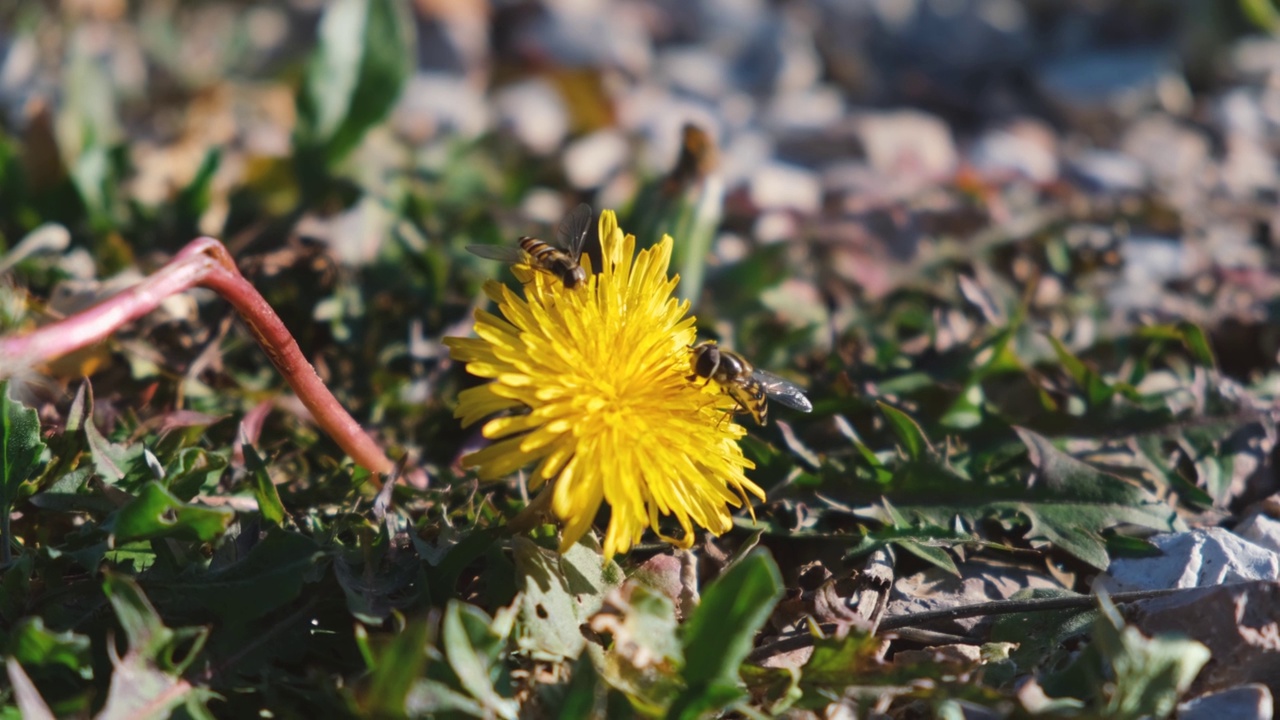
[[553, 260]]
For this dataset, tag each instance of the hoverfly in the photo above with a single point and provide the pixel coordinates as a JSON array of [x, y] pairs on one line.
[[749, 387], [560, 260]]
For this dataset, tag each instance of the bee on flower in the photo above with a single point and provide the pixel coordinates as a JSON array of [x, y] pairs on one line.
[[751, 388], [560, 261], [597, 377]]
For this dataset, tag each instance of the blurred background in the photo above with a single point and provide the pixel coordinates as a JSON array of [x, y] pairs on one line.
[[1100, 161], [1021, 254]]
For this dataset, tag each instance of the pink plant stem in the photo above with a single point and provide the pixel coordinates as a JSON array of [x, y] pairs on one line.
[[204, 262]]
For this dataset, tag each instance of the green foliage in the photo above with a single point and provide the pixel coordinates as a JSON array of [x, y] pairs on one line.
[[264, 491], [720, 634], [20, 448], [33, 644], [361, 63], [558, 594], [146, 681], [473, 645], [272, 574], [156, 513], [187, 539], [1076, 502], [394, 669], [1262, 13], [908, 431], [1126, 675]]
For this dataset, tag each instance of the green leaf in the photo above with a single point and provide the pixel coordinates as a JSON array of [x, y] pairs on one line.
[[193, 200], [1196, 341], [560, 593], [90, 129], [1038, 634], [20, 449], [193, 470], [463, 633], [1147, 674], [1153, 456], [364, 57], [1261, 13], [432, 698], [144, 631], [156, 513], [907, 430], [644, 652], [1097, 391], [272, 574], [33, 644], [1074, 501], [708, 699], [584, 696], [147, 681], [395, 670], [721, 632], [835, 661], [931, 553], [378, 578], [926, 541], [966, 412], [110, 460], [1067, 502], [264, 490]]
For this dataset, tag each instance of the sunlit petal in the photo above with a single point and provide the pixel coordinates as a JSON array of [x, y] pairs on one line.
[[601, 371]]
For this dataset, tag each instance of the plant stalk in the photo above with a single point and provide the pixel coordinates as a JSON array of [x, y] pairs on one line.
[[204, 262]]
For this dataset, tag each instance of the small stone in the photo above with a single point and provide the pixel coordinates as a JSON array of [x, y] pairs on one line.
[[1262, 530], [1244, 702], [1172, 153], [1249, 167], [591, 160], [694, 70], [440, 104], [534, 112], [1123, 82], [1236, 622], [1107, 171], [1229, 243], [780, 57], [1239, 112], [543, 205], [1153, 259], [1197, 558], [811, 109], [744, 155], [1257, 58], [731, 248], [907, 142], [775, 226], [778, 185], [1025, 147]]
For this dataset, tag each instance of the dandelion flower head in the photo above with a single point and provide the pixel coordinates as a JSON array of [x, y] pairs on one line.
[[595, 383]]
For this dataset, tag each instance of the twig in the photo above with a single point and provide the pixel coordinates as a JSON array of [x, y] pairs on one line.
[[204, 262], [1008, 607], [804, 638]]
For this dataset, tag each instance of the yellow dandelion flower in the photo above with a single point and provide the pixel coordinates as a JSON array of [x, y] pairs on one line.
[[597, 379]]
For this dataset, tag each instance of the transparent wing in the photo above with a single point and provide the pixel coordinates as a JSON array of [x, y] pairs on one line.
[[573, 230], [505, 253], [782, 391]]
